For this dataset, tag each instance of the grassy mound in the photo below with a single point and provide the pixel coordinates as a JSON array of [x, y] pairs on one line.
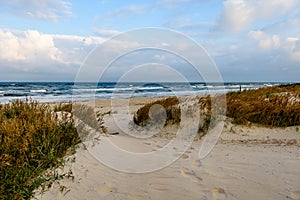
[[277, 106], [170, 105], [32, 139]]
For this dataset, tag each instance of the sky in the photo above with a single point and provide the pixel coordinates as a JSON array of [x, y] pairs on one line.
[[248, 40]]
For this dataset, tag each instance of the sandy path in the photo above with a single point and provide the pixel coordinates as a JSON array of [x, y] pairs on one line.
[[247, 163]]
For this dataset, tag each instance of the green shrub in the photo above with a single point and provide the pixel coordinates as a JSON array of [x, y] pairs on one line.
[[32, 140]]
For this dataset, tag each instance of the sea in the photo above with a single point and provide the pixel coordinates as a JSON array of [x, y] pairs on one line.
[[69, 91]]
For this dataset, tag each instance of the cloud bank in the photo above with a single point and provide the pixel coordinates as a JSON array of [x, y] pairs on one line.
[[249, 40], [34, 52]]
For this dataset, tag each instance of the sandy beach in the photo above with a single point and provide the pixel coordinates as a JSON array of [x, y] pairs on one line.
[[248, 162], [150, 100]]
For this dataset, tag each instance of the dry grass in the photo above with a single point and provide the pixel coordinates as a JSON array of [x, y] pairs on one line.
[[66, 107], [170, 105], [277, 106], [31, 141], [205, 112]]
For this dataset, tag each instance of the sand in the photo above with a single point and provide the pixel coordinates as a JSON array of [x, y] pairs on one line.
[[246, 163]]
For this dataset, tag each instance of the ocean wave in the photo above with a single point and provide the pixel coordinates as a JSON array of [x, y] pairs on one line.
[[133, 88], [59, 92], [150, 88], [38, 91]]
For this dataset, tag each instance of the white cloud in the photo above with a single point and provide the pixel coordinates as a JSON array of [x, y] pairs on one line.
[[292, 46], [106, 32], [265, 41], [269, 9], [75, 48], [38, 54], [53, 55], [50, 10], [292, 39], [34, 47], [289, 46], [27, 46], [236, 16], [79, 39], [239, 15]]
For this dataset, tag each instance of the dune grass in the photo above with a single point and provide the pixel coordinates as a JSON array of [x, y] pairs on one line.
[[32, 140], [277, 106], [170, 105], [66, 107]]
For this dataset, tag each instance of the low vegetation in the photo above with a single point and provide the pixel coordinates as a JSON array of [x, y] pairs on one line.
[[171, 106], [32, 139], [277, 106], [65, 107], [35, 137]]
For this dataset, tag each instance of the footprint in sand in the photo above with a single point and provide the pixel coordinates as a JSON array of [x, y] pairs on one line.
[[219, 194], [184, 156], [196, 163], [295, 195], [186, 172]]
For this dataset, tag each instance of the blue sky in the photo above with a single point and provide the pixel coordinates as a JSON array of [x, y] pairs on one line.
[[48, 40]]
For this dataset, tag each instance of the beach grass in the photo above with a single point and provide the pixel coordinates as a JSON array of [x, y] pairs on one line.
[[171, 106], [277, 106], [32, 140]]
